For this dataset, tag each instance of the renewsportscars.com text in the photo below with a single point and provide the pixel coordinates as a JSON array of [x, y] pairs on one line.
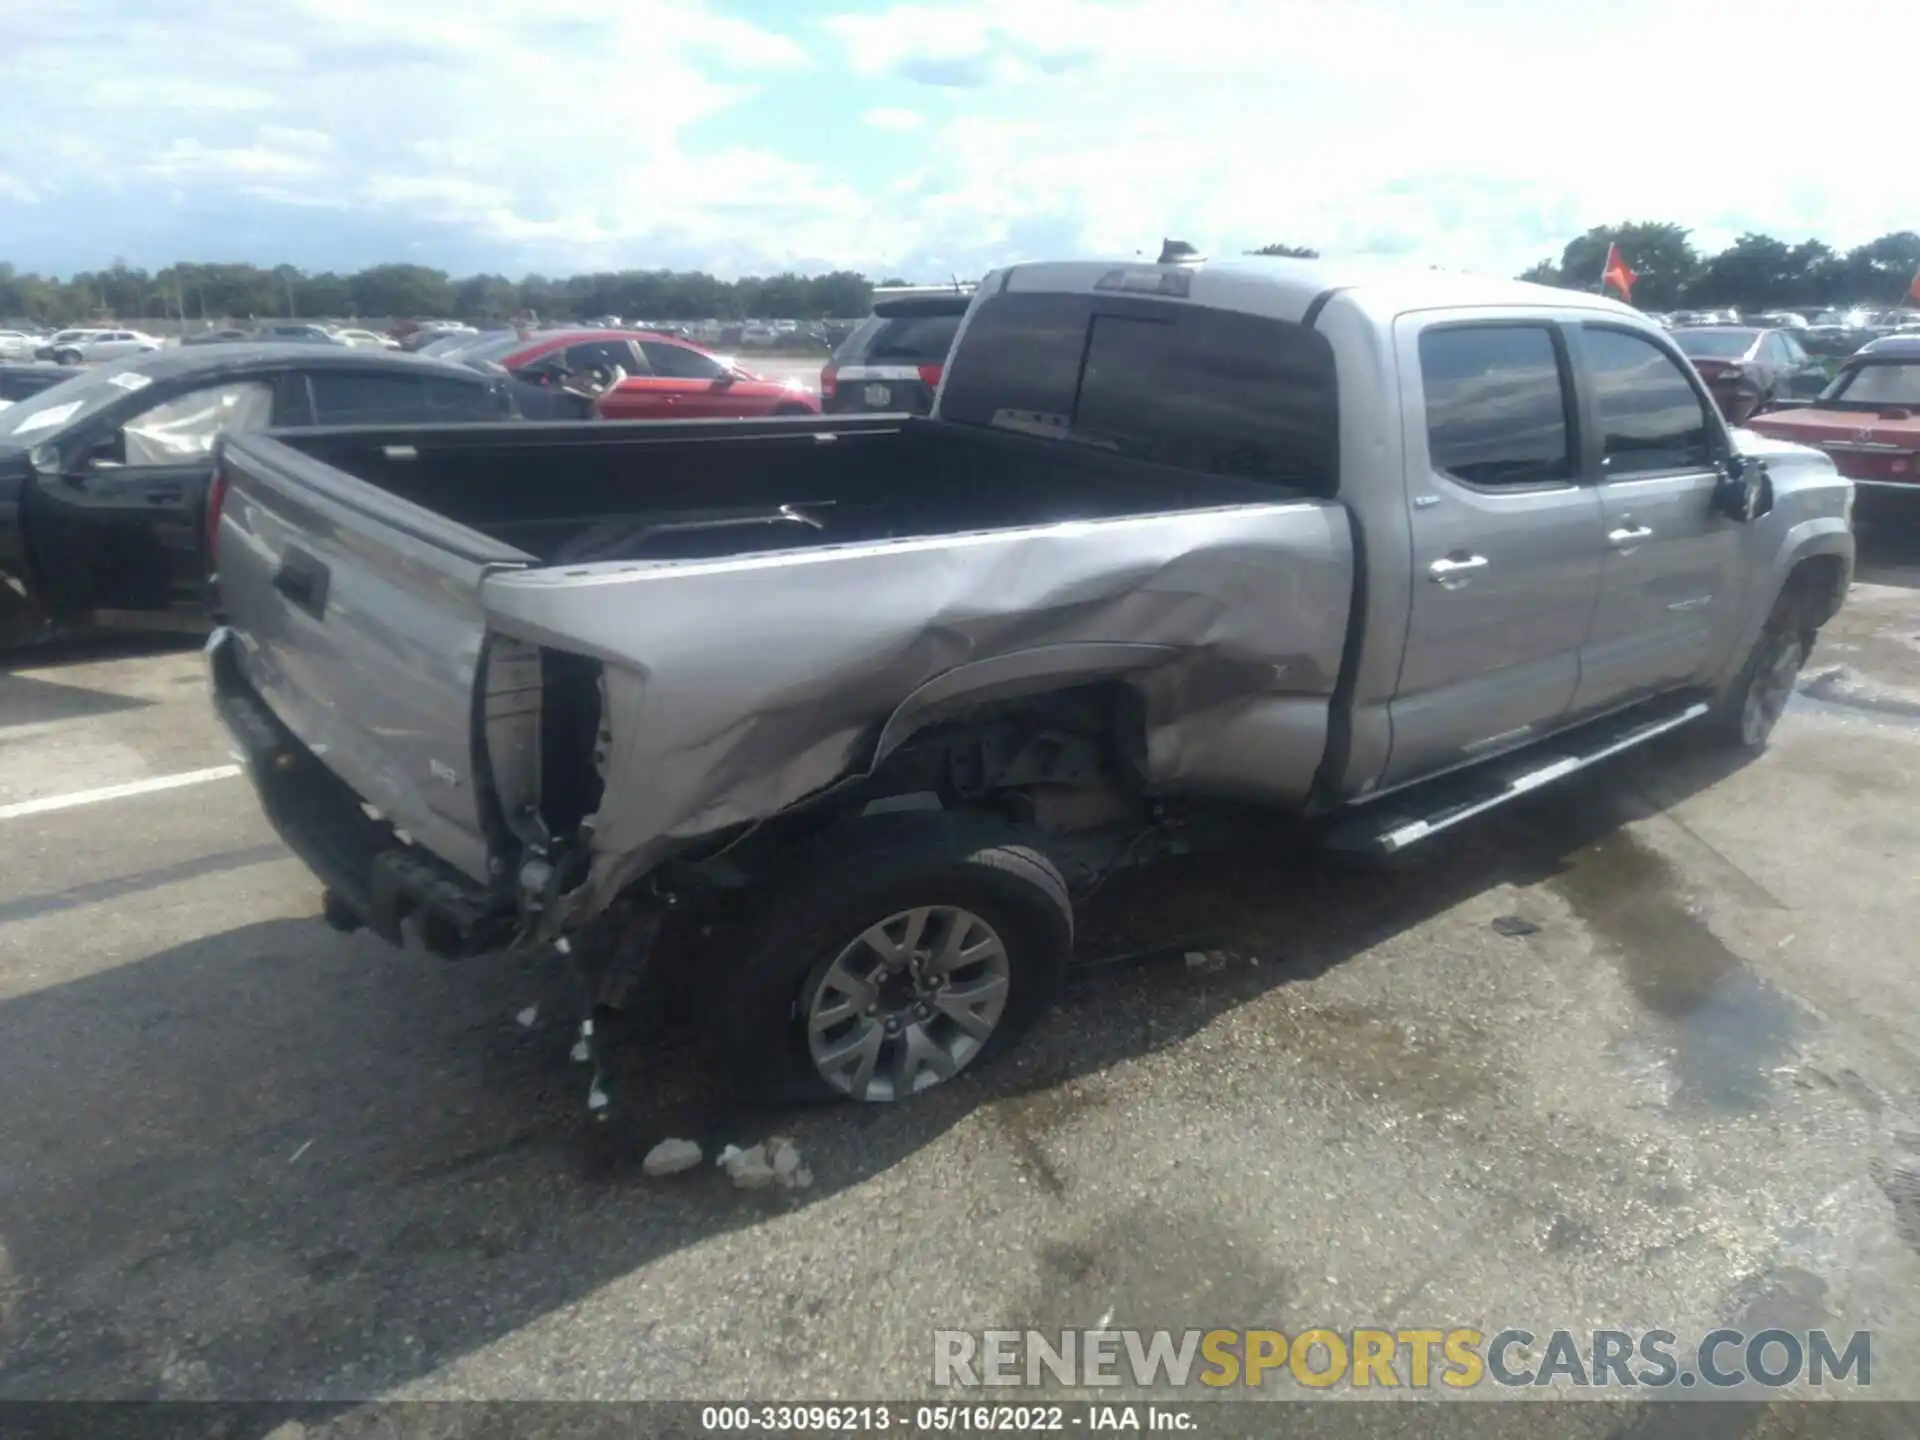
[[1404, 1358]]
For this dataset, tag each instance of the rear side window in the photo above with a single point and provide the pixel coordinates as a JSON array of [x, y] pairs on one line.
[[1207, 390], [1651, 418], [341, 397], [1497, 405]]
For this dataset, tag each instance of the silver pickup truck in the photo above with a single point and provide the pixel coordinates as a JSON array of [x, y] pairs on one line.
[[833, 718]]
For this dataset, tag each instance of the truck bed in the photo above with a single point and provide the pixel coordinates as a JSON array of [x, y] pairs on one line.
[[761, 608], [569, 494]]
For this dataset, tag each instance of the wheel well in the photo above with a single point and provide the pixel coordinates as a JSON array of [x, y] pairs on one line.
[[1065, 760], [1813, 592]]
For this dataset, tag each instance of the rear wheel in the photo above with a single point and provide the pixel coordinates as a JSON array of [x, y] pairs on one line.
[[66, 357], [905, 950]]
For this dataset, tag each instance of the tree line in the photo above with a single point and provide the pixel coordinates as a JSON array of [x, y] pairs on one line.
[[1756, 272], [191, 293]]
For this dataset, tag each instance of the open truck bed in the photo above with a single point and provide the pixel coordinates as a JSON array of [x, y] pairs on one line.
[[639, 636]]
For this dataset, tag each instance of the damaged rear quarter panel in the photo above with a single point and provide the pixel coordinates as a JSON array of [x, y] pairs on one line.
[[734, 688]]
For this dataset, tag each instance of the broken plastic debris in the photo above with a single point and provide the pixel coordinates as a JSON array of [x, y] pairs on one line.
[[528, 1016], [1514, 925], [788, 1169], [775, 1161], [596, 1099], [301, 1151], [1206, 959], [748, 1169], [670, 1157]]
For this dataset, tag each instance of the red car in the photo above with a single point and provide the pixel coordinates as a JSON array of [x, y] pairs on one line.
[[1868, 419], [665, 379], [1750, 367]]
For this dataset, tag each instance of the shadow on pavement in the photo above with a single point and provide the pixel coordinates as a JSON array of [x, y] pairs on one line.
[[279, 1163]]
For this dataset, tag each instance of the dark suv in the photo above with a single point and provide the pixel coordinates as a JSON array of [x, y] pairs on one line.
[[893, 361]]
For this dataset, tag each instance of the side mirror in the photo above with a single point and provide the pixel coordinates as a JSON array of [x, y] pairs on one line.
[[725, 379], [1745, 491]]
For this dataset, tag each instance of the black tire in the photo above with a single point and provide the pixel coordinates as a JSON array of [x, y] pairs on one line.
[[66, 357], [1745, 713], [755, 1006]]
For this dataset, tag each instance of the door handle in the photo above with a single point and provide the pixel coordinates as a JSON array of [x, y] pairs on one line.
[[1452, 572], [1628, 535]]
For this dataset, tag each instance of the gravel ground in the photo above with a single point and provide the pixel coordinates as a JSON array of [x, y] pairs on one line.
[[242, 1156]]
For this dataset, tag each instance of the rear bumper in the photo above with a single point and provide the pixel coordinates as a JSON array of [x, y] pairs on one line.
[[372, 875]]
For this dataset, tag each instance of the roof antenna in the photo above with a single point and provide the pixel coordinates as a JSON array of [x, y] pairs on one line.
[[1178, 252]]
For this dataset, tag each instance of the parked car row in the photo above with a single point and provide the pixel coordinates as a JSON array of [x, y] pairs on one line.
[[1867, 419], [1835, 332], [73, 539]]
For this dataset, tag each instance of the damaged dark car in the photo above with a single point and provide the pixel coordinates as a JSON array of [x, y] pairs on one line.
[[105, 473]]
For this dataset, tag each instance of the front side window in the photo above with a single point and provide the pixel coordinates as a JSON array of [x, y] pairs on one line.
[[181, 431], [600, 355], [677, 362], [1497, 405], [1651, 418]]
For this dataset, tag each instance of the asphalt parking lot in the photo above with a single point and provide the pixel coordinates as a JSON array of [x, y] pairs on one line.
[[243, 1156]]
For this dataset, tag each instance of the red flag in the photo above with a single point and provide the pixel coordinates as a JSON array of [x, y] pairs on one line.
[[1621, 278], [1914, 288]]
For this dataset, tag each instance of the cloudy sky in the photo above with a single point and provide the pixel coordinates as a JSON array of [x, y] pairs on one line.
[[929, 138]]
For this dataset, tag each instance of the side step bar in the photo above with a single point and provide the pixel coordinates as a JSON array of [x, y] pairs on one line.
[[1396, 827]]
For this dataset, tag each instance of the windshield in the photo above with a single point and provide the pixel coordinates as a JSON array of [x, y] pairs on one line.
[[1876, 384], [36, 420], [1714, 344]]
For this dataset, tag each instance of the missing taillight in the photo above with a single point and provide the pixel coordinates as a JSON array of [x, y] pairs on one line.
[[216, 502]]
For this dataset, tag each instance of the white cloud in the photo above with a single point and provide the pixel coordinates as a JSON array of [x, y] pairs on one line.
[[1475, 134], [1470, 133], [560, 138]]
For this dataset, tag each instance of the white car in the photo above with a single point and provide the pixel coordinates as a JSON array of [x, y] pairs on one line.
[[102, 345], [17, 345], [62, 340], [367, 340]]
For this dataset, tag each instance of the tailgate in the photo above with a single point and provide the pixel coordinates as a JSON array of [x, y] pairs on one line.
[[359, 624]]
